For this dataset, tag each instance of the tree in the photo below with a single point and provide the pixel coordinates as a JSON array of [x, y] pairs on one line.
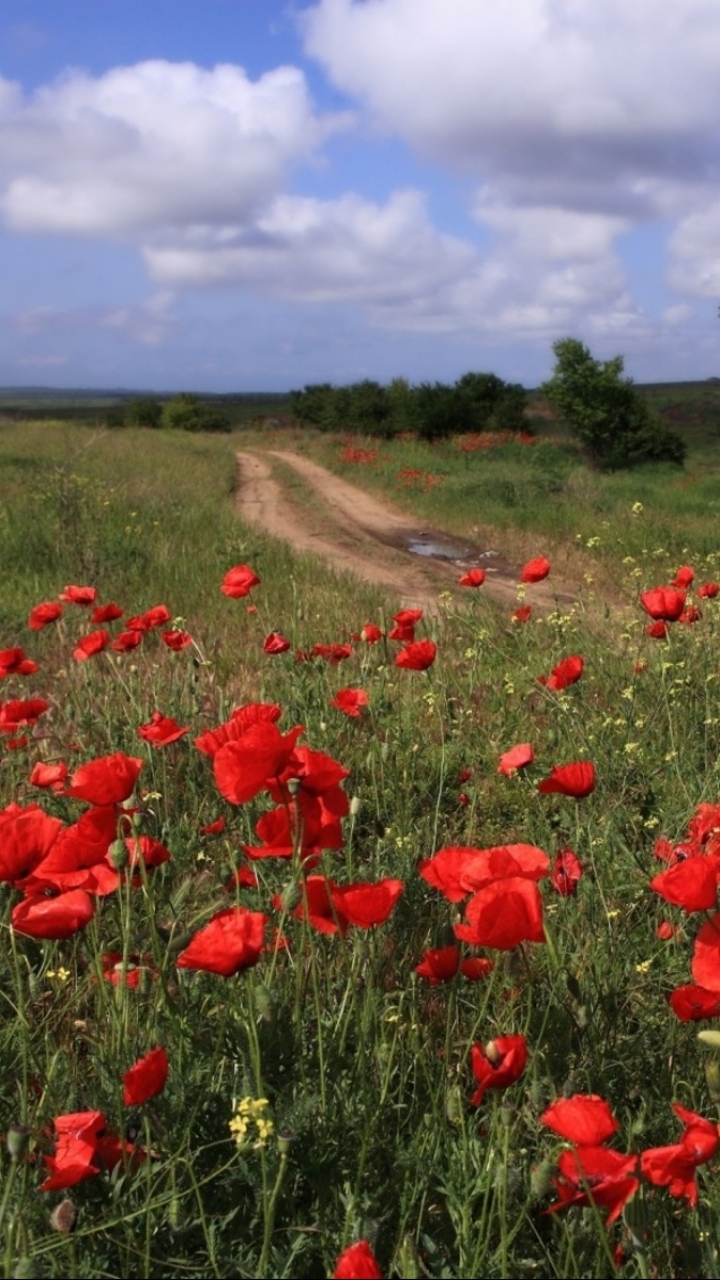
[[605, 412], [186, 412], [144, 412]]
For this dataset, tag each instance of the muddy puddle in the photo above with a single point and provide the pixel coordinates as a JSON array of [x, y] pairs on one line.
[[440, 547]]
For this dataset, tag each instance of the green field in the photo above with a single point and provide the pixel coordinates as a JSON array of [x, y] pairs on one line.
[[317, 1059]]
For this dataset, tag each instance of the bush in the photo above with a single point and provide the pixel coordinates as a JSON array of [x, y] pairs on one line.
[[605, 412], [144, 412], [186, 412]]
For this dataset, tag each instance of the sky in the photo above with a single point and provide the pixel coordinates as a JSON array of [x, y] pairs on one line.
[[247, 195]]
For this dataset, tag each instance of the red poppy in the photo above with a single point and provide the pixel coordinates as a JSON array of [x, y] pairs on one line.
[[231, 941], [350, 701], [439, 964], [691, 1003], [333, 653], [516, 758], [596, 1175], [690, 615], [535, 570], [665, 931], [50, 776], [146, 851], [407, 617], [106, 613], [473, 578], [176, 640], [240, 721], [584, 1118], [498, 1064], [684, 577], [664, 604], [417, 656], [91, 644], [146, 1078], [129, 971], [674, 1166], [366, 905], [26, 838], [708, 590], [275, 643], [706, 955], [690, 884], [564, 674], [20, 711], [246, 766], [371, 633], [14, 662], [566, 873], [503, 914], [77, 1135], [42, 614], [58, 917], [214, 828], [79, 595], [162, 730], [127, 640], [358, 1262], [576, 779], [158, 616], [404, 632], [238, 582], [522, 613], [657, 630], [106, 780]]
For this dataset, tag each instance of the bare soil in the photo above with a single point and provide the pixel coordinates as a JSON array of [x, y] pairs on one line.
[[356, 532]]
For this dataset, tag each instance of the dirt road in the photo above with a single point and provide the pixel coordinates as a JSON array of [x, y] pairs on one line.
[[358, 533]]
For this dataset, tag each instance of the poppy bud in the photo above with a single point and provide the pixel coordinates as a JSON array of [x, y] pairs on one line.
[[118, 855], [16, 1141], [64, 1217], [285, 1140], [290, 896], [712, 1079], [265, 1002]]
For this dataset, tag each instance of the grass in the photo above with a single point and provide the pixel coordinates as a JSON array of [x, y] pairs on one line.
[[368, 1129]]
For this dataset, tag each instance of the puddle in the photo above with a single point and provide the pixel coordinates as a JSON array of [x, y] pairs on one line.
[[446, 549]]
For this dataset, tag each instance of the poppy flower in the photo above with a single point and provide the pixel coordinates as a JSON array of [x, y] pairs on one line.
[[665, 931], [333, 653], [240, 721], [674, 1166], [58, 917], [503, 914], [566, 873], [684, 577], [596, 1175], [158, 616], [366, 905], [371, 633], [473, 578], [708, 590], [79, 595], [498, 1064], [106, 613], [657, 630], [576, 779], [231, 941], [19, 711], [358, 1262], [522, 613], [14, 662], [706, 955], [691, 1003], [106, 780], [146, 1078], [564, 674], [439, 964], [350, 701], [246, 766], [50, 776], [690, 615], [275, 643], [27, 835], [162, 730], [75, 1149], [91, 644], [664, 604], [535, 570], [584, 1118], [176, 640], [42, 614], [690, 884], [417, 656], [214, 828], [127, 640], [407, 617], [403, 633], [516, 758], [238, 582]]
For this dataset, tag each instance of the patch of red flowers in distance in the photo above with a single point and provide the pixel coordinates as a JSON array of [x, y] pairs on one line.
[[176, 640], [498, 1064], [535, 570], [79, 595], [584, 1118], [106, 780], [146, 1078], [238, 582], [43, 614], [357, 1262], [566, 873], [106, 613], [15, 662], [91, 644], [664, 604], [518, 757], [564, 674], [162, 730], [275, 643], [350, 701], [473, 578], [417, 656], [231, 941], [576, 779]]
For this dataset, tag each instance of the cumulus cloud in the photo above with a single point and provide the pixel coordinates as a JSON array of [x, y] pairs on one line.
[[151, 147]]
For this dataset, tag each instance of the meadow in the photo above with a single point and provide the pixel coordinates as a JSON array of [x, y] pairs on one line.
[[385, 946]]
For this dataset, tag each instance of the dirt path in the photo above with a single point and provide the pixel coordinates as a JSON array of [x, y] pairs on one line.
[[359, 533]]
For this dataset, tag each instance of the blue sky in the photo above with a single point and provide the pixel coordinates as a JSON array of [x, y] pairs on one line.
[[255, 194]]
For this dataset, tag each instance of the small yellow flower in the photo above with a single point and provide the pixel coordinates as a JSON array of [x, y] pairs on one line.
[[250, 1114]]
